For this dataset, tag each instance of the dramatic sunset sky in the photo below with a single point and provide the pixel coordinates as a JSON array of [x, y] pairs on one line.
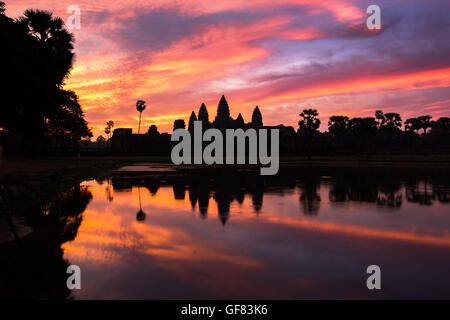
[[281, 55]]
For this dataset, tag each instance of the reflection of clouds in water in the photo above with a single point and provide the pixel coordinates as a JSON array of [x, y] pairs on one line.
[[181, 250]]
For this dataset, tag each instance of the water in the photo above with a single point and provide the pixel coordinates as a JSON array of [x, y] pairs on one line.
[[310, 232]]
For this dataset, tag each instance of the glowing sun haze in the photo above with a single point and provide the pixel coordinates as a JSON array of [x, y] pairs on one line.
[[280, 55]]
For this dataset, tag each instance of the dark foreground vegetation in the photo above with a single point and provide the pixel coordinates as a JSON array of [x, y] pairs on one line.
[[35, 111]]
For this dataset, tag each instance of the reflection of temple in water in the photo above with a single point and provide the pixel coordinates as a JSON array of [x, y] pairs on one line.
[[56, 221], [384, 187]]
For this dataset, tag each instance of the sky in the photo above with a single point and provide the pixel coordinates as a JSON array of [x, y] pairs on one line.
[[283, 56]]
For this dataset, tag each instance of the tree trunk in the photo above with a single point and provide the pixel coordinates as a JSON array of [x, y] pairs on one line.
[[139, 128]]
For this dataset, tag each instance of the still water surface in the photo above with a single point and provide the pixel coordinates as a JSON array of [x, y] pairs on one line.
[[310, 233]]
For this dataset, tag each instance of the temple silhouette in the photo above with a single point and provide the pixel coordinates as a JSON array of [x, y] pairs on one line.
[[223, 119], [382, 134], [124, 141]]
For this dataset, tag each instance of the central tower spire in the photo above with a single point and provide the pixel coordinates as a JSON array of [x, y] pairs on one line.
[[223, 111]]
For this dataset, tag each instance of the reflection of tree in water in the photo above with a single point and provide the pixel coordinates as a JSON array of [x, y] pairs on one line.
[[384, 185], [442, 194], [426, 191], [389, 192], [309, 197], [140, 216], [376, 185], [35, 268], [390, 199], [109, 191], [362, 191], [353, 185], [420, 192], [339, 191]]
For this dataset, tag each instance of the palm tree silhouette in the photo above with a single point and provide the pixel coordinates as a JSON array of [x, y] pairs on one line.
[[310, 123], [425, 123], [308, 126], [107, 131], [108, 128], [140, 106], [54, 42]]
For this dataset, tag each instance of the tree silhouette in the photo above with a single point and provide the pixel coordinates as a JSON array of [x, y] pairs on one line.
[[108, 128], [412, 124], [310, 123], [425, 123], [389, 130], [101, 140], [392, 121], [338, 125], [307, 127], [363, 126], [39, 55], [442, 124], [363, 129], [179, 124], [107, 131], [67, 120], [140, 106], [53, 42], [110, 123], [379, 115], [153, 130]]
